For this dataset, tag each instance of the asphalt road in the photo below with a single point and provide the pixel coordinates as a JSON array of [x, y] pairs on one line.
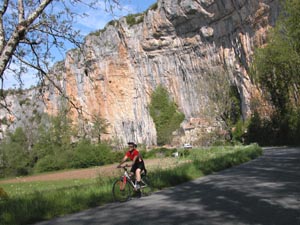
[[264, 191]]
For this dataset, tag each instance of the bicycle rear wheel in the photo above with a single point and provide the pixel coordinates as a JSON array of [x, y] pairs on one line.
[[121, 191], [146, 187]]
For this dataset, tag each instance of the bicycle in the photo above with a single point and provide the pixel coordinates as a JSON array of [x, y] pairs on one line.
[[124, 187]]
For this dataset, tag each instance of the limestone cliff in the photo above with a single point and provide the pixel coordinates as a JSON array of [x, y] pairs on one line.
[[179, 44]]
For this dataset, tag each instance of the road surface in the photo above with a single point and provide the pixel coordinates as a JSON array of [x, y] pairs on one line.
[[264, 191]]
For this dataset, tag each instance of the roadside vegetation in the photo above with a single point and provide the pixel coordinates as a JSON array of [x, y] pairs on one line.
[[36, 201], [276, 70]]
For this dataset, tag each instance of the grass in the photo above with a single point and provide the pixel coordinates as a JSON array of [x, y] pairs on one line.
[[25, 188], [36, 201]]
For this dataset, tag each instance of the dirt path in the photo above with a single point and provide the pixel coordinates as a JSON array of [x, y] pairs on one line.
[[107, 170]]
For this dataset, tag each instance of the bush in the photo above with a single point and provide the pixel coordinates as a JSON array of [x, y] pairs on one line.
[[278, 130], [3, 194], [154, 6], [46, 164], [84, 154], [15, 159], [133, 19], [158, 152]]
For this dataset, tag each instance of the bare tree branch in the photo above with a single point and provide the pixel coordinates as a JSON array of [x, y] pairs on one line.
[[21, 11], [37, 12], [2, 32], [18, 34], [45, 75], [4, 7]]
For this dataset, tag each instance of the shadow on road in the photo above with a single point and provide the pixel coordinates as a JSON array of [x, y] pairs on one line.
[[265, 191]]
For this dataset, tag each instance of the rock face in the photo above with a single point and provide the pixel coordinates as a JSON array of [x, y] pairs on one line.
[[181, 44], [26, 109]]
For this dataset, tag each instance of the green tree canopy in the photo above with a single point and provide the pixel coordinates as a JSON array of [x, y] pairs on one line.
[[276, 69], [165, 115]]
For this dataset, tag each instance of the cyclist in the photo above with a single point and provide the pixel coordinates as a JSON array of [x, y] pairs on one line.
[[137, 165]]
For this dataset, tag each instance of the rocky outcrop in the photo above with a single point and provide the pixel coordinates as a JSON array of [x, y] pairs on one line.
[[23, 109], [180, 45]]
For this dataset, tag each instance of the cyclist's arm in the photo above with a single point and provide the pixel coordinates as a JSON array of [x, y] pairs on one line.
[[123, 160], [129, 164], [135, 159]]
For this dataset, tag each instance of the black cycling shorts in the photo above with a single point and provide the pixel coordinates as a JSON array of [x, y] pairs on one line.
[[138, 165]]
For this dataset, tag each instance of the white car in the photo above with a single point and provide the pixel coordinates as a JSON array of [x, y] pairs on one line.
[[187, 146]]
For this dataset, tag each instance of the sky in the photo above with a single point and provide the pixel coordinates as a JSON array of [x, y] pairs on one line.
[[99, 18], [96, 19]]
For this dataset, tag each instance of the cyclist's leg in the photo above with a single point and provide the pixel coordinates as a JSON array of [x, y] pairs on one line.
[[138, 182], [138, 175], [140, 167], [132, 170], [143, 169]]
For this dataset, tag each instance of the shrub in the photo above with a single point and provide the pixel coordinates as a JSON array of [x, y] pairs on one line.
[[153, 6], [87, 154], [47, 163], [158, 152], [277, 130], [3, 194], [15, 159], [133, 19]]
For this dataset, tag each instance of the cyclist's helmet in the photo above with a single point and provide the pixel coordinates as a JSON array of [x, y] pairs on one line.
[[132, 143]]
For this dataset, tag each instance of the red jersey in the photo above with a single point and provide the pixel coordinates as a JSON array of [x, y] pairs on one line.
[[132, 154]]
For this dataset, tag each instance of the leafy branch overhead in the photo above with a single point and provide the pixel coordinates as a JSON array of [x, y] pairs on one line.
[[31, 30]]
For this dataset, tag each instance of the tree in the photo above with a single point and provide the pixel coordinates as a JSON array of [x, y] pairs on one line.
[[165, 115], [277, 65], [30, 30], [276, 69], [99, 127], [54, 135], [53, 147], [15, 157]]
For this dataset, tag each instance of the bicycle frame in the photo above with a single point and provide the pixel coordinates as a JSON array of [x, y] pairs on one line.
[[126, 177], [122, 191]]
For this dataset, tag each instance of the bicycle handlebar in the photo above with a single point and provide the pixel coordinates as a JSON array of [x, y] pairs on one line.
[[123, 167]]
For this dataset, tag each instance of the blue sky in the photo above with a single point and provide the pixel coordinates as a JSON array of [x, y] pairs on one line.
[[96, 19]]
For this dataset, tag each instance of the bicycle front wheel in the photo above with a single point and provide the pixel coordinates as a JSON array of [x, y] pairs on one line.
[[121, 191]]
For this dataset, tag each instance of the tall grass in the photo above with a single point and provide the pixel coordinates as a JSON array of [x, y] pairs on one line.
[[48, 203]]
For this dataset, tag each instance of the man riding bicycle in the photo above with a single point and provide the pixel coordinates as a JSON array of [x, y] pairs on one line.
[[137, 165]]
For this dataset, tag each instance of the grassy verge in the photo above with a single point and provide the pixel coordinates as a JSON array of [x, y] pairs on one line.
[[204, 162], [46, 203]]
